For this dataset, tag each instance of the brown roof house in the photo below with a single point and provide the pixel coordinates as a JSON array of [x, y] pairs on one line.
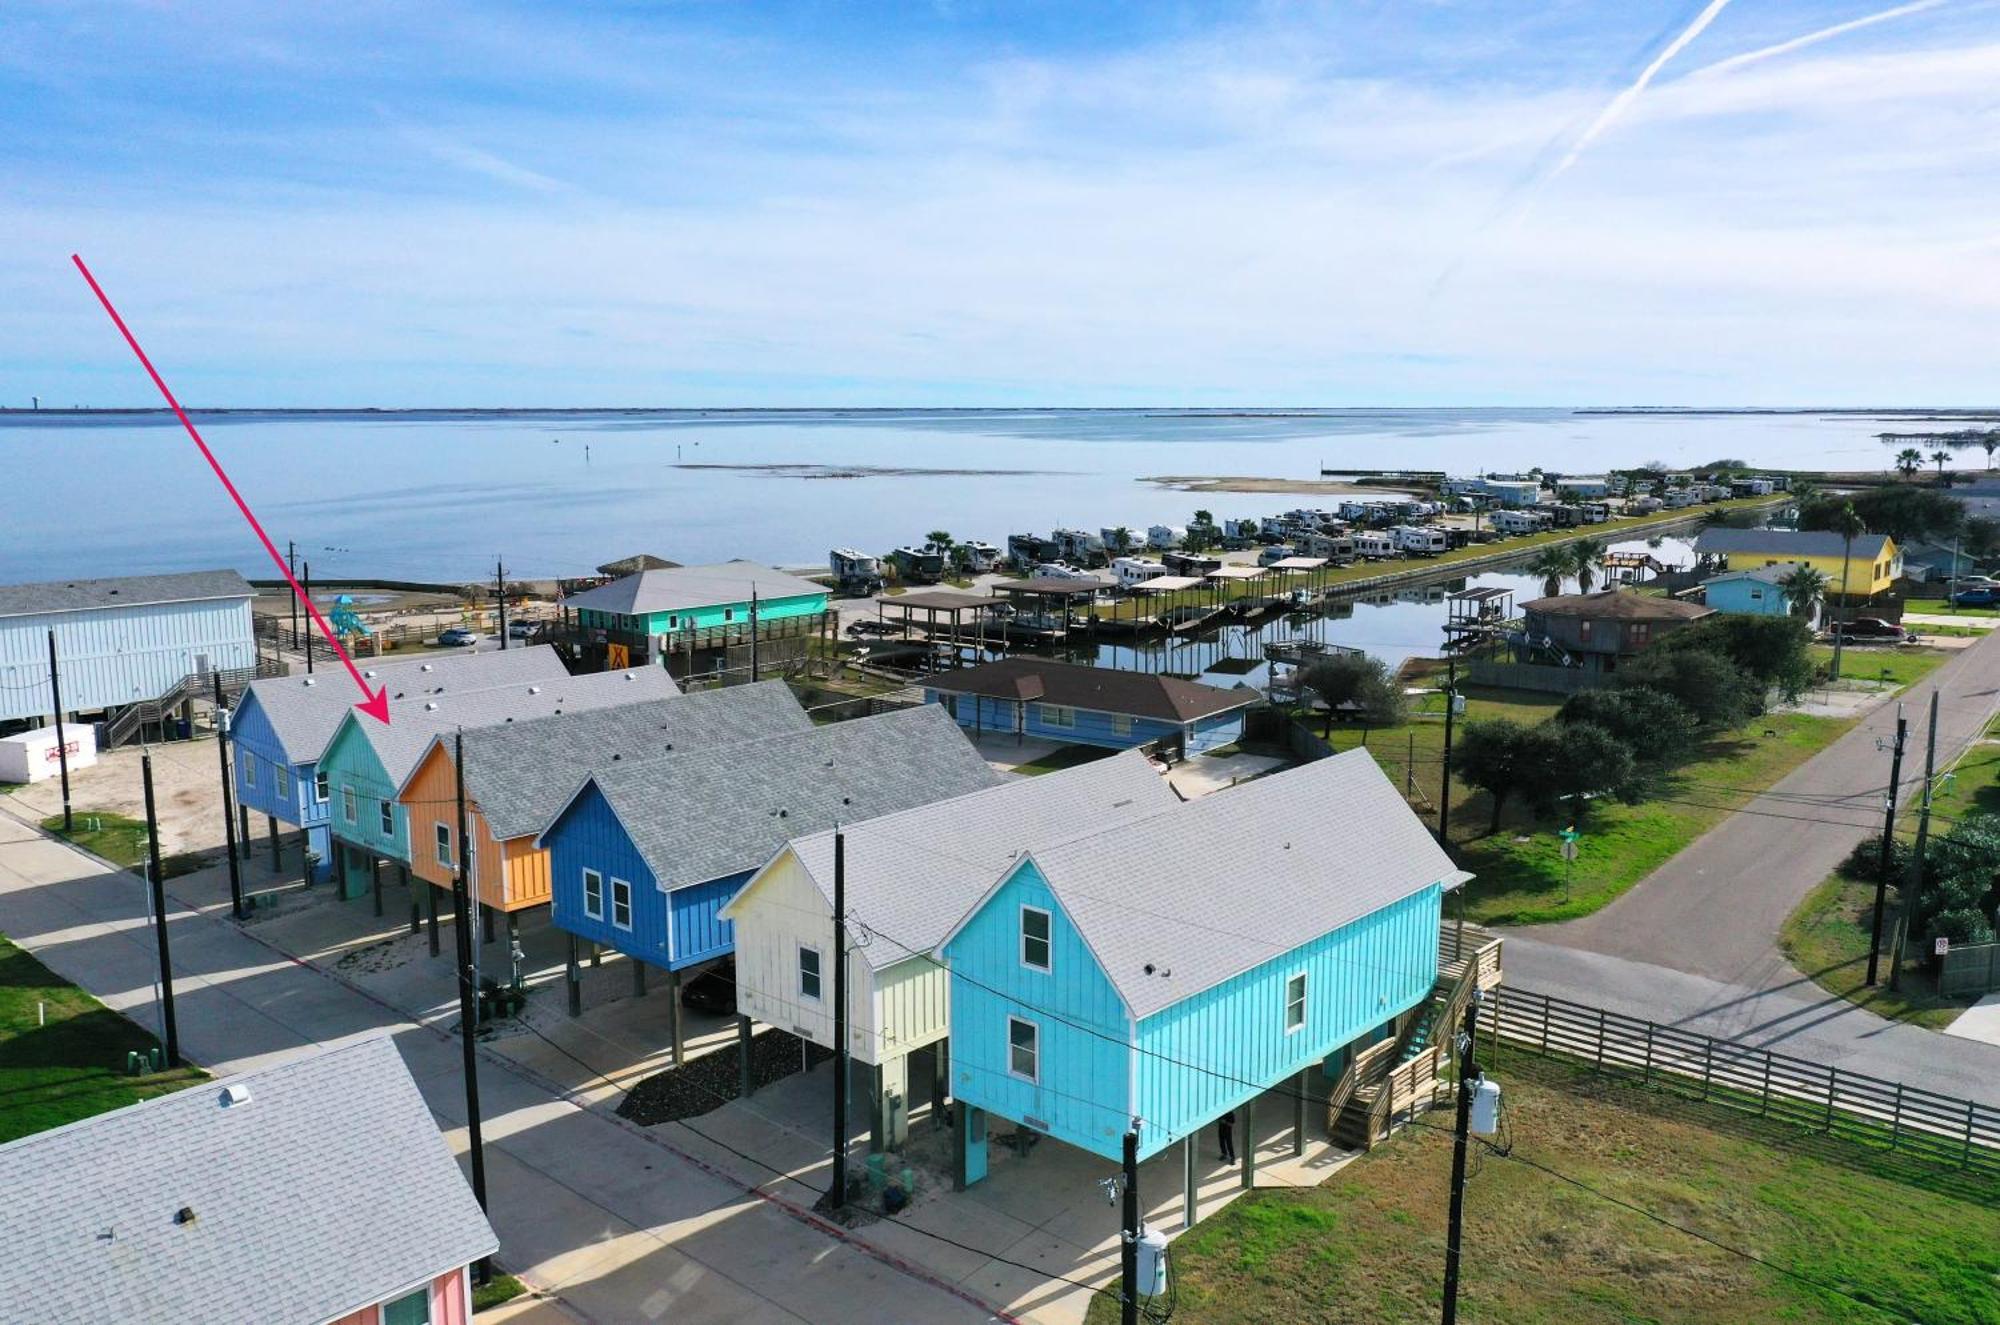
[[1080, 705], [1594, 630]]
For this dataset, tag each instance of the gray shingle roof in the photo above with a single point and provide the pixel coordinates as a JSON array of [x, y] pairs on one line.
[[1099, 689], [329, 1189], [522, 773], [700, 816], [1762, 574], [413, 722], [692, 586], [1212, 888], [1787, 543], [912, 874], [124, 591], [305, 711]]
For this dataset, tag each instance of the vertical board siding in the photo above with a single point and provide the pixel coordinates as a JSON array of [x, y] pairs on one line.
[[699, 933], [527, 872], [982, 713], [1083, 1095], [1213, 733], [735, 613], [779, 910], [350, 762], [587, 835], [1198, 1054], [257, 753], [913, 1004], [448, 1299], [430, 799], [120, 655]]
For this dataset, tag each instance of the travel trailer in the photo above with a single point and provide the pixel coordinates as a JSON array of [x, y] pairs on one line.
[[1333, 547], [1420, 539], [1080, 547], [855, 573], [1513, 522], [1026, 551], [1190, 563], [980, 557], [1160, 537], [1133, 571], [1236, 531], [1373, 546]]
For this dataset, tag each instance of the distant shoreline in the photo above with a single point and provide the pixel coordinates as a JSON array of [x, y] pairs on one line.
[[1898, 412]]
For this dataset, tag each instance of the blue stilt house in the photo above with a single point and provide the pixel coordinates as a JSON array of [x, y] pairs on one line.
[[282, 724], [644, 855], [1174, 968], [1025, 696]]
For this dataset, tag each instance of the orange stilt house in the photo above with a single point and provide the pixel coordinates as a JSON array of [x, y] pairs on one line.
[[519, 774]]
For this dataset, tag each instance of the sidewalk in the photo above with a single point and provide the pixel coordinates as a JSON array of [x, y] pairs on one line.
[[615, 1221]]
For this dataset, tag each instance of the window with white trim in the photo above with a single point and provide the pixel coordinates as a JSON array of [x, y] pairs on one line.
[[621, 904], [347, 804], [809, 973], [444, 845], [410, 1309], [1035, 938], [1024, 1049], [593, 894], [249, 770], [1057, 715], [281, 781], [320, 788], [1295, 1003], [1121, 724], [388, 816]]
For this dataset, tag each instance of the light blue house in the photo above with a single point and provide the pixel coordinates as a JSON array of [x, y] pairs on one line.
[[1177, 967], [119, 641], [644, 855], [281, 726], [1757, 592], [1026, 696]]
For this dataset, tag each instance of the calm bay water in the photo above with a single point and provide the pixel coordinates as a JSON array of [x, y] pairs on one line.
[[438, 495]]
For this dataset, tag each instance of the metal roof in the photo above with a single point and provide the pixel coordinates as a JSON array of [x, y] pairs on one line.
[[305, 711], [1238, 572], [1789, 544], [911, 875], [521, 773], [703, 815], [123, 591], [1099, 689], [1167, 583], [325, 1191], [1297, 563], [676, 588], [1053, 586], [942, 600], [1304, 852]]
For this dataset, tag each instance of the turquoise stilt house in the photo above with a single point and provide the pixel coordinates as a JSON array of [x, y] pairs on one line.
[[1174, 968]]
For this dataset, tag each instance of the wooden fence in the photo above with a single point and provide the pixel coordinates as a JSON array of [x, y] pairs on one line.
[[1970, 970], [1943, 1128], [1541, 677]]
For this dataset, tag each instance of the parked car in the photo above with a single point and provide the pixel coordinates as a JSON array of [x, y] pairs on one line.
[[521, 629], [714, 990], [1873, 629], [458, 637], [1978, 596]]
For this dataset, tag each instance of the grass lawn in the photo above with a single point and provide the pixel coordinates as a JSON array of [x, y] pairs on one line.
[[1896, 665], [1068, 756], [74, 1065], [120, 840], [1368, 1245], [500, 1288]]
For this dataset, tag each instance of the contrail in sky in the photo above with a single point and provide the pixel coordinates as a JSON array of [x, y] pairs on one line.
[[1811, 38], [1618, 104]]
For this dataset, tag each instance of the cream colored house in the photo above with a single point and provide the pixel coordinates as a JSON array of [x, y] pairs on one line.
[[910, 877]]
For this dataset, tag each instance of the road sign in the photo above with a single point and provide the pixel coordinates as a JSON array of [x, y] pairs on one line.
[[1943, 946], [1569, 848]]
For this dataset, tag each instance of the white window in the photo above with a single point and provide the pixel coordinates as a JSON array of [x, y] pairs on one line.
[[249, 770], [1295, 1003], [319, 788], [593, 894], [347, 810], [809, 973], [1055, 715], [281, 781], [1035, 938], [1024, 1049], [1121, 724], [388, 808], [444, 845], [621, 904]]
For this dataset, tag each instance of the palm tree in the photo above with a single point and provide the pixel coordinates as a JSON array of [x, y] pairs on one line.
[[1940, 456], [1991, 441], [1909, 460], [1805, 588], [1121, 541], [1585, 555], [1847, 523], [942, 538], [1553, 564]]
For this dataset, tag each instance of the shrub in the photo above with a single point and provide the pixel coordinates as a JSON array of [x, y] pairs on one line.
[[1711, 687], [1576, 760], [1360, 680], [1864, 862], [1654, 726], [1774, 650], [1962, 925]]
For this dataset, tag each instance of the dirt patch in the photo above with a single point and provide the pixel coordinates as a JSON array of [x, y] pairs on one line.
[[710, 1081]]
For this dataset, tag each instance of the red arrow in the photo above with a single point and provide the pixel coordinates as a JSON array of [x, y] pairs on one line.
[[377, 704]]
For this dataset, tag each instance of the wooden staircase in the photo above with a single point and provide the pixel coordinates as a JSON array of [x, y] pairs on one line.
[[133, 719], [1395, 1078]]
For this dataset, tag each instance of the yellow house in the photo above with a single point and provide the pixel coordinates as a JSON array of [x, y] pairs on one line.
[[1872, 563]]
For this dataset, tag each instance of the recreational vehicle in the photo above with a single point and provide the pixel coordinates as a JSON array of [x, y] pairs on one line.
[[1161, 537], [980, 557], [1277, 552], [1080, 547], [1026, 551], [1133, 571], [1420, 539], [855, 573], [1373, 546], [1513, 522], [1190, 563], [1333, 547], [1236, 531], [918, 565]]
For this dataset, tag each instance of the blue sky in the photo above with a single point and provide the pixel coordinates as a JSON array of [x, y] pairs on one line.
[[705, 203]]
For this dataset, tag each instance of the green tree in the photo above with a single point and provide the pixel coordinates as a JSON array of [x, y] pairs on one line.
[[1940, 456], [1805, 589], [1121, 541], [1775, 651], [1991, 441], [1981, 537], [1358, 683], [1583, 760], [1715, 690], [1553, 564], [1901, 511], [1585, 556], [1494, 755], [1656, 727], [1909, 460]]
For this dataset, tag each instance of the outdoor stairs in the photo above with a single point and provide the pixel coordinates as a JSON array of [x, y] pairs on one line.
[[1396, 1078], [134, 719]]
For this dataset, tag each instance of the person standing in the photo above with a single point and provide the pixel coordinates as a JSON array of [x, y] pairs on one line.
[[1225, 1135]]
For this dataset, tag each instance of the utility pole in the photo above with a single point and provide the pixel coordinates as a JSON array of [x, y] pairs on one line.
[[1915, 884], [500, 595], [292, 564], [468, 1000], [228, 809], [62, 738], [1444, 787], [1128, 1239], [1888, 843], [159, 888], [753, 632], [305, 584], [838, 1195], [1468, 1072]]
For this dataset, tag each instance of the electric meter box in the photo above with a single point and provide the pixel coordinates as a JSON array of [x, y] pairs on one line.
[[1485, 1119], [1152, 1263]]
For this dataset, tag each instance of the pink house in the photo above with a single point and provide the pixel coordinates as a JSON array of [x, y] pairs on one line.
[[318, 1191]]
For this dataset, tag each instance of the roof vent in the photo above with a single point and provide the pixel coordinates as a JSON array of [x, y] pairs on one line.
[[311, 681], [430, 706], [534, 690], [423, 667], [184, 1215], [232, 1095]]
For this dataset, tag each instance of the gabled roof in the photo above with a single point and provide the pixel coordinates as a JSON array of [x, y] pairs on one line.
[[305, 711], [706, 814], [675, 588], [912, 874], [521, 773], [325, 1191], [1099, 689], [1618, 605], [413, 722], [1788, 544], [1215, 887], [123, 591], [1761, 574]]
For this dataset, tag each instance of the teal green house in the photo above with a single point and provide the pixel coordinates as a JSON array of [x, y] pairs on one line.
[[677, 599]]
